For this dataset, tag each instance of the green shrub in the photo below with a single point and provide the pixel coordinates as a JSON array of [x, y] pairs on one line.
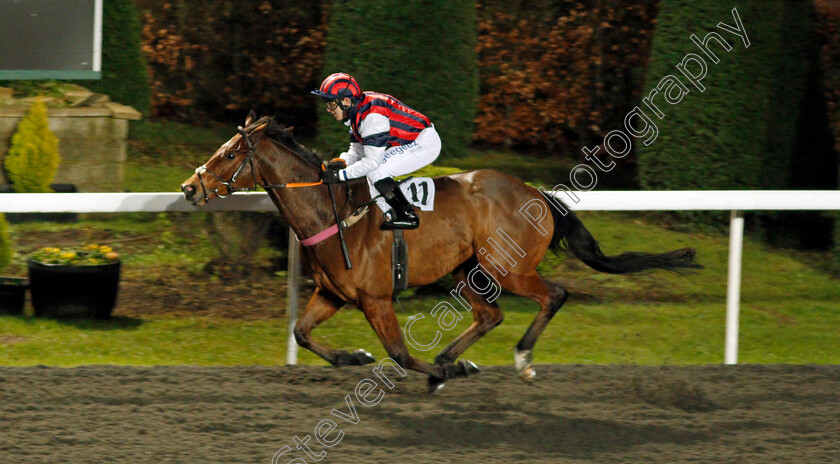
[[836, 250], [5, 242], [422, 53], [758, 124], [33, 158], [124, 76]]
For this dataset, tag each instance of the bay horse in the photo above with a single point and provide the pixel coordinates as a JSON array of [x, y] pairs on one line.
[[469, 209]]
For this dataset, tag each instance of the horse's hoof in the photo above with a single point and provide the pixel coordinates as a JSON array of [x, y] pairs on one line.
[[355, 358], [522, 361], [528, 375], [469, 368], [362, 357], [435, 385]]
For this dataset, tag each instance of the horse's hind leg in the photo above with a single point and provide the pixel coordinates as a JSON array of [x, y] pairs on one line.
[[321, 307], [550, 296], [486, 316]]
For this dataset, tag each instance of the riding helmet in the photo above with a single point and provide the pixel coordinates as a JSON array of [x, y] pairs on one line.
[[337, 86]]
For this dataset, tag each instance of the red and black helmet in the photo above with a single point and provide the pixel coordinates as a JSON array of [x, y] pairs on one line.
[[337, 86]]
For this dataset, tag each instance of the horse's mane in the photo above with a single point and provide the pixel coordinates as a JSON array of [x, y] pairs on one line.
[[283, 135]]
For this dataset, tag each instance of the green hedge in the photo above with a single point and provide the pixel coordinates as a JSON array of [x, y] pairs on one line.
[[422, 53], [5, 242], [758, 124], [124, 76], [836, 260]]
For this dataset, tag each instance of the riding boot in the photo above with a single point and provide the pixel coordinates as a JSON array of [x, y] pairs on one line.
[[402, 215]]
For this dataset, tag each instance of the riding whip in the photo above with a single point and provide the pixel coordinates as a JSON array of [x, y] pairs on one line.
[[340, 234]]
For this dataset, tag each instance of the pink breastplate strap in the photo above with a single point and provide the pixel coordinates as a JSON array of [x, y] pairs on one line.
[[320, 236]]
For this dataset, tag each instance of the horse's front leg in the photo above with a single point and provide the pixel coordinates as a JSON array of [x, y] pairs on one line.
[[321, 307]]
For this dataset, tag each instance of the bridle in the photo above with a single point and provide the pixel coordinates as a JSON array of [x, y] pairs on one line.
[[249, 160], [229, 189]]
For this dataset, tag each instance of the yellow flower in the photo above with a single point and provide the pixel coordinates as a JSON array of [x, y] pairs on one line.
[[89, 255]]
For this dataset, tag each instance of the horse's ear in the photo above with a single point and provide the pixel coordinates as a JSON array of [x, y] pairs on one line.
[[251, 118]]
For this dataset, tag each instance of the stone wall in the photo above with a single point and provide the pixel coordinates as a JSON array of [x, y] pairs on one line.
[[92, 143]]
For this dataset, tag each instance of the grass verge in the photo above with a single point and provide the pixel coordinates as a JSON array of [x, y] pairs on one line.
[[790, 311], [802, 331]]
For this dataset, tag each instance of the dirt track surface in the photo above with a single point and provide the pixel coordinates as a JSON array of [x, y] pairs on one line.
[[574, 414]]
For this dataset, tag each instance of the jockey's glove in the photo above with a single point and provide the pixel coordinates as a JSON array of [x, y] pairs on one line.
[[329, 171], [337, 163]]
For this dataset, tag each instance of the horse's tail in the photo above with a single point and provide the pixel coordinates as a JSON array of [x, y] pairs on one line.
[[571, 237]]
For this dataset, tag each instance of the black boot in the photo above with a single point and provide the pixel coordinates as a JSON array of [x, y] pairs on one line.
[[402, 215]]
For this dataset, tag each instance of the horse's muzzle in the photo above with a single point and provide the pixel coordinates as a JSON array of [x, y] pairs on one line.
[[189, 192]]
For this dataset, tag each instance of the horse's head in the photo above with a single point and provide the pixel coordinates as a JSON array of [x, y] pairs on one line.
[[236, 165]]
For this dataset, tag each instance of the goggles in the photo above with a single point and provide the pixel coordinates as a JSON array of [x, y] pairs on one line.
[[330, 103]]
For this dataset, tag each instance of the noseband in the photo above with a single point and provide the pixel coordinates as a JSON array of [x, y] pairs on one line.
[[228, 184]]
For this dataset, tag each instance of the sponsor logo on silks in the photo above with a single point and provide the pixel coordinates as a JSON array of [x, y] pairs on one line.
[[398, 150]]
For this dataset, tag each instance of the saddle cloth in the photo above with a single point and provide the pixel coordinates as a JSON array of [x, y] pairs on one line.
[[420, 192]]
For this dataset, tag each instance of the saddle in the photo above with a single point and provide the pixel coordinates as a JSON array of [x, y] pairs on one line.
[[420, 192]]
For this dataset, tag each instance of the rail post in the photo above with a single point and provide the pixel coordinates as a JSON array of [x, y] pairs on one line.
[[292, 279], [733, 288]]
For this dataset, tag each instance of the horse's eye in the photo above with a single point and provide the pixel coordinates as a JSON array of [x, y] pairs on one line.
[[231, 155]]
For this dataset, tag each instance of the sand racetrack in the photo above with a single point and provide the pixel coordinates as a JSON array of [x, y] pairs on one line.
[[577, 414]]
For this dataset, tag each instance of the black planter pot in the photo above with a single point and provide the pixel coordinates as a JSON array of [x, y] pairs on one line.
[[12, 294], [74, 291]]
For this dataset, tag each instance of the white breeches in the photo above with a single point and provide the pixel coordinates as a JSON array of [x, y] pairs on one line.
[[405, 159]]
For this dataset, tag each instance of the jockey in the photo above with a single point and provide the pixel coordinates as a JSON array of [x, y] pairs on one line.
[[387, 139]]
